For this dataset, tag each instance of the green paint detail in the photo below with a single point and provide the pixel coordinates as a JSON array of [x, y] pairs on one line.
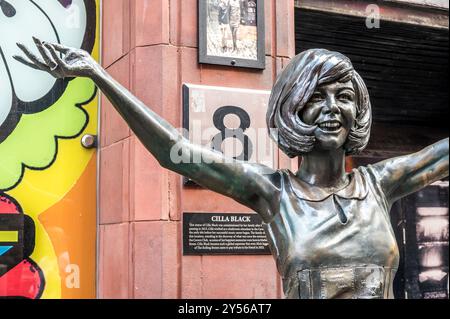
[[33, 143]]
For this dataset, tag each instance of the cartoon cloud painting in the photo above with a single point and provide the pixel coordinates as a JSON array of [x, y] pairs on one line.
[[37, 111], [28, 91]]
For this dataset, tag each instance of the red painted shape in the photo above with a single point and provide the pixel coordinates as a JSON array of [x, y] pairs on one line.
[[23, 281], [7, 206]]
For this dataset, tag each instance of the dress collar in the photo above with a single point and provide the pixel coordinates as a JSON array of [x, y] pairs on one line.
[[355, 189]]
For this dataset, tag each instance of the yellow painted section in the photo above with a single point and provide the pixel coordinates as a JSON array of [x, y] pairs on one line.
[[9, 236], [66, 237]]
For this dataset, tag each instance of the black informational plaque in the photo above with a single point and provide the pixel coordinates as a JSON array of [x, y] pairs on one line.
[[223, 234]]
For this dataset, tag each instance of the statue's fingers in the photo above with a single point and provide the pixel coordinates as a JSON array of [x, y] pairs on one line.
[[37, 61], [26, 62], [45, 54], [54, 54], [61, 48], [36, 40]]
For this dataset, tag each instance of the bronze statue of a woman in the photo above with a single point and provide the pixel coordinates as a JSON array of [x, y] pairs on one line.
[[329, 230]]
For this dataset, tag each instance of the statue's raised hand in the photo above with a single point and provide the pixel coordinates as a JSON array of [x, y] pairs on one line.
[[58, 60]]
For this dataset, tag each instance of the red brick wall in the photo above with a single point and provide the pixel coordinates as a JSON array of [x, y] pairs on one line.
[[150, 46]]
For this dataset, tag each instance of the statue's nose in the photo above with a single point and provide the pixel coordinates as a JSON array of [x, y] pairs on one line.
[[330, 106]]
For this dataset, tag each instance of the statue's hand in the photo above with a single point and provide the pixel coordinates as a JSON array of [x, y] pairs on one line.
[[58, 60]]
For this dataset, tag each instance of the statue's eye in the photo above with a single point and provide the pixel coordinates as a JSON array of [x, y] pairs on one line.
[[8, 10], [346, 97], [316, 97]]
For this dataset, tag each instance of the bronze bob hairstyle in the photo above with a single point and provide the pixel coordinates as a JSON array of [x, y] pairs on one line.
[[293, 89]]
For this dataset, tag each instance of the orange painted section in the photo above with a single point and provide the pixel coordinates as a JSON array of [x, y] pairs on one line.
[[71, 227]]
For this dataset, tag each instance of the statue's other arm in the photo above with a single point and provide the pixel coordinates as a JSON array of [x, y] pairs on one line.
[[404, 175], [249, 184]]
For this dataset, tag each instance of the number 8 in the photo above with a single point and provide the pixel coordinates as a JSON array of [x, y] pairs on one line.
[[218, 119]]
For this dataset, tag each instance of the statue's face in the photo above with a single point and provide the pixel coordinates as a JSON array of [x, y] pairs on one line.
[[332, 108]]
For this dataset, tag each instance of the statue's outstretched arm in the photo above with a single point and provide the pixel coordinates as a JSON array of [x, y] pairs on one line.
[[404, 175], [247, 183]]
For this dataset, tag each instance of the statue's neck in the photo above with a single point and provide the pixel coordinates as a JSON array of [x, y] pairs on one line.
[[323, 168]]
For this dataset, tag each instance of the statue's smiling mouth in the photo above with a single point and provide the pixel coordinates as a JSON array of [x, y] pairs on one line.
[[330, 126]]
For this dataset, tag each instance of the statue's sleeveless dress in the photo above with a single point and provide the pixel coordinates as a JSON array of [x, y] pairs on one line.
[[338, 245]]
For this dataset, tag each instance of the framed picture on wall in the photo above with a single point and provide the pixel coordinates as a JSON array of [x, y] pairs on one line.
[[231, 32]]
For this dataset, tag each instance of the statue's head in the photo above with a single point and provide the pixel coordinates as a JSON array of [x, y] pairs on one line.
[[319, 102]]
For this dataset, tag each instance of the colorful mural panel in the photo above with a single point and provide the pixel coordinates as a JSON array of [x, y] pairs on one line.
[[47, 179]]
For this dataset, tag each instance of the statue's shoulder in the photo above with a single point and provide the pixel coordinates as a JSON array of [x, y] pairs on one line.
[[367, 170], [275, 177], [370, 176]]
